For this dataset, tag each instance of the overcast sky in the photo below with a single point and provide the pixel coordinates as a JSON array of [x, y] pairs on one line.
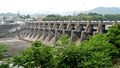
[[54, 5]]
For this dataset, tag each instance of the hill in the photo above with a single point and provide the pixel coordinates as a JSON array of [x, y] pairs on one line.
[[8, 14], [105, 10]]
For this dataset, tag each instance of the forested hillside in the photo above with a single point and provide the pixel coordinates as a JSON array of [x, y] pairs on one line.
[[81, 16]]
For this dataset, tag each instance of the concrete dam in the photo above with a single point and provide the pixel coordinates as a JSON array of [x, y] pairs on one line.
[[50, 31], [4, 29]]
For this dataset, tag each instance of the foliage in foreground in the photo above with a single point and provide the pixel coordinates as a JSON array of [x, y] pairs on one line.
[[36, 56], [96, 52], [113, 35], [4, 65], [3, 50]]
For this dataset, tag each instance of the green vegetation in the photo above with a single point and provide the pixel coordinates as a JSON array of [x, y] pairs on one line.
[[37, 56], [3, 49], [98, 52], [4, 65], [81, 16], [94, 53], [113, 35]]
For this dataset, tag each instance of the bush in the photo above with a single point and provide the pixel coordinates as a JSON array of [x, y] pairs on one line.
[[66, 54], [63, 41], [70, 57], [4, 66], [97, 52], [3, 50], [113, 35], [36, 56]]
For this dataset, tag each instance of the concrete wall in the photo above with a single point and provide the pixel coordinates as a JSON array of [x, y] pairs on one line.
[[4, 29], [50, 31]]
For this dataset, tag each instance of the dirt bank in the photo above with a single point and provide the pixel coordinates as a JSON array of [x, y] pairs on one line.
[[14, 45]]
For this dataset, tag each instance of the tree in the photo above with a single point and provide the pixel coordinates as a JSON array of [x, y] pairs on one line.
[[65, 54], [97, 52], [28, 16], [36, 56], [113, 36], [92, 14]]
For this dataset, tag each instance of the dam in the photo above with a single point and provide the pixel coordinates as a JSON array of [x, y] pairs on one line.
[[50, 31]]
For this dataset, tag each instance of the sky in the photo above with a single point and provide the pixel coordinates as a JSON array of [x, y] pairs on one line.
[[55, 6]]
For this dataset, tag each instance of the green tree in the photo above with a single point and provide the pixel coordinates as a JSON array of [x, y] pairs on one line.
[[36, 56], [65, 54], [113, 36], [97, 52], [28, 16]]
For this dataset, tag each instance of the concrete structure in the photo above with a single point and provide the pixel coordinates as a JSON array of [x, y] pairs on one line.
[[50, 31], [11, 29], [4, 29]]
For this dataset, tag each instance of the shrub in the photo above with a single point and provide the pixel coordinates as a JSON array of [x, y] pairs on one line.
[[36, 56], [3, 49], [97, 52], [4, 66], [113, 35], [63, 41], [70, 57], [66, 54]]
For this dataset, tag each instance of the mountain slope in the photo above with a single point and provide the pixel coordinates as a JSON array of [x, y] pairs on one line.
[[105, 10]]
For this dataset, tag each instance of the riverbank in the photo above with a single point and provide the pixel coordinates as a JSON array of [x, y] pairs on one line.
[[14, 45]]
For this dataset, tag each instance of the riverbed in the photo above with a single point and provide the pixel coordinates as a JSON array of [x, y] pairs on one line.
[[14, 45]]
